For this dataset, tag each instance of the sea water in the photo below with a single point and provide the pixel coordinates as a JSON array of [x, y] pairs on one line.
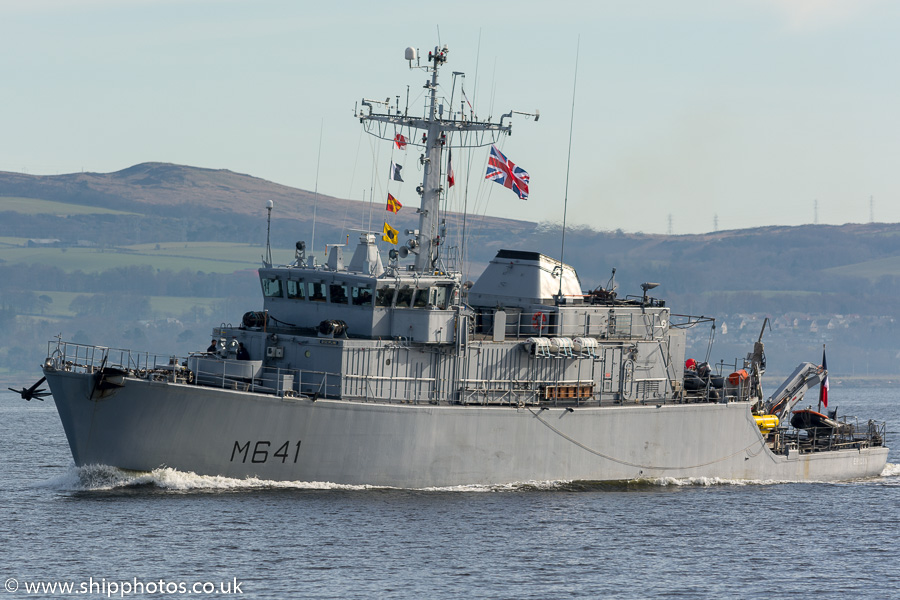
[[107, 533]]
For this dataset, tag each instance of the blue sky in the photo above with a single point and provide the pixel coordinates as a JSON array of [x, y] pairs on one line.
[[742, 113]]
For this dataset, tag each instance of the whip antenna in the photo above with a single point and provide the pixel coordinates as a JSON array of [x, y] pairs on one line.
[[562, 252], [312, 246], [268, 260]]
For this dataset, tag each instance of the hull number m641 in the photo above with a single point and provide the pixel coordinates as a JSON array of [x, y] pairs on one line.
[[265, 451]]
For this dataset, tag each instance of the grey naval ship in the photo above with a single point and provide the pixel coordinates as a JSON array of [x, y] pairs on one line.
[[397, 373]]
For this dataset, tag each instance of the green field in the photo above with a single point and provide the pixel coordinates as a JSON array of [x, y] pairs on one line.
[[170, 306], [10, 242], [208, 257], [871, 270], [33, 206]]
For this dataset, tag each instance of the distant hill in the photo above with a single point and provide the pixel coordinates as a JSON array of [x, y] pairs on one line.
[[168, 185], [162, 202], [182, 191]]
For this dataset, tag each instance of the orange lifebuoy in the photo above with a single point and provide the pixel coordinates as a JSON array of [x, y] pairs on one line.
[[539, 319]]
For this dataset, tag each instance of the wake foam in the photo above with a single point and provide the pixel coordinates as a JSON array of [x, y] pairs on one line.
[[90, 478], [710, 482], [518, 486], [891, 470], [94, 478]]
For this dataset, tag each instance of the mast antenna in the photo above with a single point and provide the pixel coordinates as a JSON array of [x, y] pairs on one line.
[[267, 262], [435, 129], [463, 252], [562, 251], [312, 245]]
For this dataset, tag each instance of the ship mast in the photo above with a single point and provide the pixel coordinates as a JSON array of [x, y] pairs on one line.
[[426, 241]]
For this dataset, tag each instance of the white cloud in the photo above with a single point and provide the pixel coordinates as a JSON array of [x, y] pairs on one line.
[[814, 15]]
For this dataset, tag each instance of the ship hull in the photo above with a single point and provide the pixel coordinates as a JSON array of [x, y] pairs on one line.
[[146, 424]]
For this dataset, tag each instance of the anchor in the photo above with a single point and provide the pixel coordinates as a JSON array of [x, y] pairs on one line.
[[33, 391]]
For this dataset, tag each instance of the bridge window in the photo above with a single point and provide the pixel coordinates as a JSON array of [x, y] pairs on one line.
[[421, 300], [338, 293], [439, 296], [404, 296], [384, 296], [362, 296], [271, 288], [294, 289], [316, 291]]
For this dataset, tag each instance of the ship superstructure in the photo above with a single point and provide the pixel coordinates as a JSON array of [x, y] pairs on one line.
[[365, 372]]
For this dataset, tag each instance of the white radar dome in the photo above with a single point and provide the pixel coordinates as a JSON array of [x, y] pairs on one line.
[[410, 53]]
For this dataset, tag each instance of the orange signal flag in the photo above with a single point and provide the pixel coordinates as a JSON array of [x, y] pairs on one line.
[[393, 204]]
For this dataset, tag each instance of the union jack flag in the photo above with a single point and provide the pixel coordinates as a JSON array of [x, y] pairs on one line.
[[504, 172]]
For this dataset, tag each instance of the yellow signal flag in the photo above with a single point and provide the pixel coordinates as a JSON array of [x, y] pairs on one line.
[[390, 234]]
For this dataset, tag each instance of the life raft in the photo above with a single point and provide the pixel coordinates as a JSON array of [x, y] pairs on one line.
[[738, 377]]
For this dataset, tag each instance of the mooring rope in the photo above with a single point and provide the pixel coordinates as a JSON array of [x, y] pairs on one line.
[[638, 465]]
